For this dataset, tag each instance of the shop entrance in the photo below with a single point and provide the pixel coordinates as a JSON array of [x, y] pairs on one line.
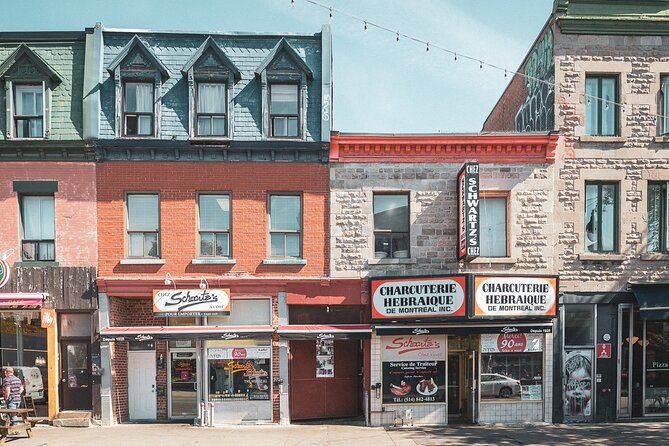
[[462, 374], [76, 376], [183, 384]]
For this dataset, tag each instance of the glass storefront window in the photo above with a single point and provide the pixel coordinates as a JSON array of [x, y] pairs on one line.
[[75, 324], [239, 373], [578, 324], [245, 312], [512, 367], [656, 399]]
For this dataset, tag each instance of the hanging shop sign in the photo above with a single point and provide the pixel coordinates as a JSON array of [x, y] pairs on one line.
[[4, 272], [47, 317], [214, 302], [515, 296], [468, 212], [511, 343], [418, 298], [413, 369]]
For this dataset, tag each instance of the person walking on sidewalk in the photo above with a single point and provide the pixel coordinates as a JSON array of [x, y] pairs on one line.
[[12, 388]]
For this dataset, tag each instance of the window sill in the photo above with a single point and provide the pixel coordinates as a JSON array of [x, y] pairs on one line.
[[142, 261], [495, 260], [650, 256], [595, 257], [593, 138], [284, 262], [662, 138], [37, 138], [28, 263], [375, 261], [217, 139], [214, 261]]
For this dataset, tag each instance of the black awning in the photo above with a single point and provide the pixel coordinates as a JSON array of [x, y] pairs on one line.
[[149, 333], [653, 299], [464, 329], [309, 332]]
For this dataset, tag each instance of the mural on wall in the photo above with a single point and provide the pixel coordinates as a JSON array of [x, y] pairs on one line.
[[537, 112], [578, 385]]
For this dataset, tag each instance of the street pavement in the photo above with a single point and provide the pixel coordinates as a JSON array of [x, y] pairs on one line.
[[637, 434]]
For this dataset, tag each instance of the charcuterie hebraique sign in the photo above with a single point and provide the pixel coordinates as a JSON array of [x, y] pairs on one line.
[[518, 296], [418, 298]]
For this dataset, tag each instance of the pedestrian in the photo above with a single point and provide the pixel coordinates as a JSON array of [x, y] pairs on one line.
[[12, 388]]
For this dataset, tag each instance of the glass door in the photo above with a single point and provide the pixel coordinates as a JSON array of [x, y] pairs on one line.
[[472, 373], [183, 384], [454, 385], [75, 376]]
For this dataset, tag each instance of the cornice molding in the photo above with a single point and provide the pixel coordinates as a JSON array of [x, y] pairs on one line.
[[497, 148], [647, 26]]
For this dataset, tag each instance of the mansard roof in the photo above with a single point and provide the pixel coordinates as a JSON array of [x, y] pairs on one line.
[[24, 50], [136, 42], [209, 43], [284, 47]]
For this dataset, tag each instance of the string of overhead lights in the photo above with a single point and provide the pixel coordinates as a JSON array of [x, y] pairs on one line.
[[482, 63]]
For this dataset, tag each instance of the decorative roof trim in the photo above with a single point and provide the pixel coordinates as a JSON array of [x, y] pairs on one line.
[[283, 45], [484, 148], [42, 65], [646, 26], [137, 42], [210, 43]]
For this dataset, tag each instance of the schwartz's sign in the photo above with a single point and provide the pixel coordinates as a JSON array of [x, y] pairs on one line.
[[418, 298], [214, 302], [469, 246]]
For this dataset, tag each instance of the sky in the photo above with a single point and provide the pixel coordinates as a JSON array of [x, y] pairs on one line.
[[380, 85]]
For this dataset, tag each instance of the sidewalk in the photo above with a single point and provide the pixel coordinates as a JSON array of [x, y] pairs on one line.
[[637, 434]]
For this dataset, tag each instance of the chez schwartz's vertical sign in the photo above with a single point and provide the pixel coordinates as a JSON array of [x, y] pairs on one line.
[[468, 212], [418, 298], [207, 302]]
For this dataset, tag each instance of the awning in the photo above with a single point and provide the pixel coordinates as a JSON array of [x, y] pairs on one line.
[[119, 334], [21, 301], [306, 332], [653, 299], [463, 329]]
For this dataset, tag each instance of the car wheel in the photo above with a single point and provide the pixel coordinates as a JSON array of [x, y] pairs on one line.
[[505, 392]]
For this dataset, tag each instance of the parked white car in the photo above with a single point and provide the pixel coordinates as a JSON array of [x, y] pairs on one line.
[[32, 381], [494, 384]]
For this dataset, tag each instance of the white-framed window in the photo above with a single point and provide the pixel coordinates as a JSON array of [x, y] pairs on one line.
[[285, 217], [28, 111], [143, 225], [601, 109], [391, 225], [493, 226], [284, 110], [210, 110], [38, 227], [138, 113], [601, 216], [214, 225]]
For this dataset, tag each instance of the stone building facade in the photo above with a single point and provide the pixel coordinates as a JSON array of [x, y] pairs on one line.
[[515, 171], [608, 63]]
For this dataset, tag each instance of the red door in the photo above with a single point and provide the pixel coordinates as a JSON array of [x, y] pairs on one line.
[[316, 398]]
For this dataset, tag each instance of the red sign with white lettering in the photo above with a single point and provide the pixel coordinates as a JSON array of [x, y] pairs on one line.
[[511, 343], [603, 351]]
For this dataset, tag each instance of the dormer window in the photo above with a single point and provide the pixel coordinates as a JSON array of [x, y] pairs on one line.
[[138, 77], [28, 111], [211, 105], [138, 109], [283, 78], [284, 110]]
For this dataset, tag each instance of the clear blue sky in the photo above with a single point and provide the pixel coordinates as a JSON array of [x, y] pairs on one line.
[[380, 86]]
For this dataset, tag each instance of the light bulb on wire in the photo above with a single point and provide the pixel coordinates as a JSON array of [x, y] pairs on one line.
[[427, 47], [365, 25]]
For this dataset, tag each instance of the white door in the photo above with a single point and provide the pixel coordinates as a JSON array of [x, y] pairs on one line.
[[142, 385]]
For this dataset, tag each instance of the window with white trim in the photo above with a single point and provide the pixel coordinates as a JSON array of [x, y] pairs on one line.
[[138, 114], [214, 222], [284, 110], [210, 109], [493, 226], [28, 111], [143, 225], [285, 216], [38, 227]]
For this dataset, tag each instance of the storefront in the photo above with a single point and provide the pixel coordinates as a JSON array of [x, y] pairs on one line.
[[462, 347], [615, 355]]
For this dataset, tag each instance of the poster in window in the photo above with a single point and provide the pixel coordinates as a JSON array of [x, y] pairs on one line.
[[239, 374], [414, 369], [578, 384], [325, 358]]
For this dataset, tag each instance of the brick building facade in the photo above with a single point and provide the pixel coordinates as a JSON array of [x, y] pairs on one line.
[[607, 65]]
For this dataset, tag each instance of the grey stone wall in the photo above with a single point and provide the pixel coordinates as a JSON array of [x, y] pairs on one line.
[[433, 217], [633, 158]]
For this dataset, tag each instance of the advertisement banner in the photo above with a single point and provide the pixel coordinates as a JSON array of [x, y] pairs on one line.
[[414, 382], [239, 353], [511, 343], [215, 302], [468, 212], [414, 369], [418, 298], [515, 296]]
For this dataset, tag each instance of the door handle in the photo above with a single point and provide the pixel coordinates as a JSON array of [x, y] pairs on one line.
[[63, 380]]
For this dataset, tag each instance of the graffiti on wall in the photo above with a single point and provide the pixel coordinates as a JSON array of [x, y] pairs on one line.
[[537, 111]]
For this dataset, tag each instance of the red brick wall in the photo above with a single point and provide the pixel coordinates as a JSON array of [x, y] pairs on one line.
[[178, 185], [502, 118], [75, 209]]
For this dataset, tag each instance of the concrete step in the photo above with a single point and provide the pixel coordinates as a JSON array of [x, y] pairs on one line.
[[71, 422], [74, 414]]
